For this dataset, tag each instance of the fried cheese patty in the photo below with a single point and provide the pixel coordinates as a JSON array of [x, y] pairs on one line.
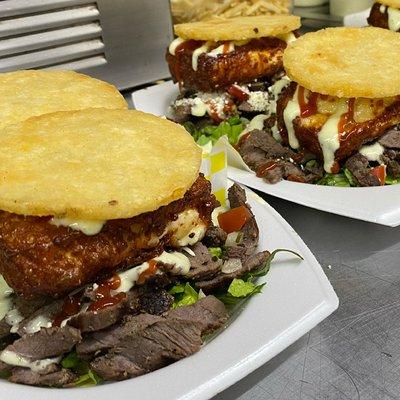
[[38, 258]]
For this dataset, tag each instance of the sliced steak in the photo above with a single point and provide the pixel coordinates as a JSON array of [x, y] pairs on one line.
[[236, 196], [391, 139], [253, 262], [116, 367], [391, 158], [154, 347], [89, 321], [59, 378], [48, 342], [49, 310], [260, 147], [214, 237], [202, 264], [4, 329], [108, 338], [358, 165], [4, 367], [208, 314]]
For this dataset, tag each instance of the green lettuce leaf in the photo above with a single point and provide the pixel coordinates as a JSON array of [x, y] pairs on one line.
[[81, 367], [184, 295], [231, 128], [215, 251], [339, 180]]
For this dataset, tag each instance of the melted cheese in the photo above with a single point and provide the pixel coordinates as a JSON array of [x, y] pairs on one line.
[[373, 152], [88, 227], [291, 112], [5, 301], [287, 37], [196, 54], [12, 358], [328, 136], [393, 19], [187, 229], [174, 44]]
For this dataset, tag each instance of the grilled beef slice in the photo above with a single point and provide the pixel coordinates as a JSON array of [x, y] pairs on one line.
[[202, 264], [48, 342], [214, 237], [145, 342], [358, 165], [223, 279], [58, 378], [391, 139]]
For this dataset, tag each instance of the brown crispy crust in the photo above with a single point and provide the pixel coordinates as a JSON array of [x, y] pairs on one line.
[[260, 58], [376, 18], [351, 141], [37, 258]]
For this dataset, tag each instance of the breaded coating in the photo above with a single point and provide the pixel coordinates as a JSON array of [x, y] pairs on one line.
[[38, 258], [259, 58]]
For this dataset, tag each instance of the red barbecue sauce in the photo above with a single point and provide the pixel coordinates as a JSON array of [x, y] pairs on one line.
[[307, 107], [104, 298]]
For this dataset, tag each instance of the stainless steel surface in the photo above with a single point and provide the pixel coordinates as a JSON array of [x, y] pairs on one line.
[[121, 41], [355, 353]]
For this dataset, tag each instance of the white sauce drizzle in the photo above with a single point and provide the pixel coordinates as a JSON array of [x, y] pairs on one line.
[[88, 227], [216, 212], [393, 19], [39, 322], [199, 108], [12, 358], [13, 318], [382, 9], [5, 301], [196, 54], [275, 133], [291, 112], [174, 44], [222, 50], [256, 123], [328, 136], [373, 152], [180, 262]]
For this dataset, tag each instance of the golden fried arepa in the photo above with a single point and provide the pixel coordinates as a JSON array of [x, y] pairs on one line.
[[85, 193], [211, 55], [344, 92], [30, 93]]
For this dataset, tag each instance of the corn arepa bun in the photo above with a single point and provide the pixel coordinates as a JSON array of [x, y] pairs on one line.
[[390, 3], [95, 164], [346, 62], [30, 93], [240, 28]]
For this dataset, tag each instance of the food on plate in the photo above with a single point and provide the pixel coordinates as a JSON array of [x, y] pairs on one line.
[[385, 14], [30, 93], [115, 257], [225, 67], [339, 118]]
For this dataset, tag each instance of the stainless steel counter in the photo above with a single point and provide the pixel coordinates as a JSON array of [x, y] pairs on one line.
[[355, 353]]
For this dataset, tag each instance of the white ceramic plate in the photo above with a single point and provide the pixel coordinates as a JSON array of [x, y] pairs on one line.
[[296, 298], [376, 204]]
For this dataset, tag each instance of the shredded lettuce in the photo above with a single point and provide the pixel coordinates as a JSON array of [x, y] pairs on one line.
[[215, 251], [81, 367], [391, 181], [241, 288], [339, 180], [184, 295], [231, 128]]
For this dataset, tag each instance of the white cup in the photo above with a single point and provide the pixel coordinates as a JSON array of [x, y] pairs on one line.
[[346, 7]]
